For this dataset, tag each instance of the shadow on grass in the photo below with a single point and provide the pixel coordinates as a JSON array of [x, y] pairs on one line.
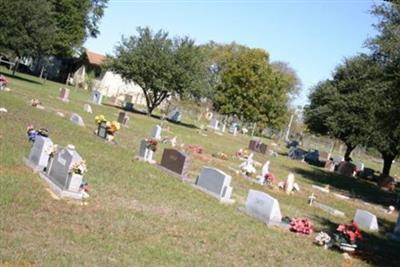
[[17, 77], [358, 188], [375, 248], [140, 112]]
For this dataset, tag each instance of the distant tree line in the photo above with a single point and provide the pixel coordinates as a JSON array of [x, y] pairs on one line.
[[360, 104]]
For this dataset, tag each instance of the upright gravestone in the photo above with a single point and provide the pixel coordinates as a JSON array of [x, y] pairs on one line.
[[175, 115], [123, 118], [176, 162], [64, 94], [96, 97], [76, 119], [263, 148], [39, 154], [223, 127], [145, 153], [87, 108], [346, 168], [263, 207], [128, 104], [233, 129], [60, 176], [214, 124], [366, 220], [216, 183], [253, 144], [102, 130], [156, 132]]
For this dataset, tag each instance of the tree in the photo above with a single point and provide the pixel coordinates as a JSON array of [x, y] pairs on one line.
[[159, 65], [385, 49], [340, 107], [75, 22], [26, 28], [248, 86]]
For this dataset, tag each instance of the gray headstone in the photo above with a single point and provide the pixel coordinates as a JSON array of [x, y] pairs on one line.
[[175, 115], [263, 207], [76, 119], [156, 132], [102, 130], [96, 97], [215, 182], [64, 94], [39, 157], [175, 161], [60, 167], [366, 220], [123, 118], [145, 153]]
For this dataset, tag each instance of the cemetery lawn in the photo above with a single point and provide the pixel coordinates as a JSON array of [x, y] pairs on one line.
[[138, 215]]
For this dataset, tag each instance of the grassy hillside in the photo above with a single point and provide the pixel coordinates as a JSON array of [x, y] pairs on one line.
[[138, 215]]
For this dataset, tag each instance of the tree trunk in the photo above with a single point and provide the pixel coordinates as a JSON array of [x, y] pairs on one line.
[[387, 163], [15, 66], [349, 149]]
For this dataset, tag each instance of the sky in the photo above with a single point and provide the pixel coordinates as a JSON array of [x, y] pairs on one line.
[[312, 36]]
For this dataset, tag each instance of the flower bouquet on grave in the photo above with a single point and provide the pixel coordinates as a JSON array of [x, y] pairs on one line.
[[302, 226], [196, 149], [346, 237], [3, 82], [112, 128], [151, 144], [323, 239], [51, 150], [220, 155], [99, 119], [35, 102], [269, 178], [84, 186], [79, 168], [32, 133]]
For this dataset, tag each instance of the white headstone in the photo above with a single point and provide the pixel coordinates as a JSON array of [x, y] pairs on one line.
[[233, 129], [263, 207], [156, 132], [214, 124], [39, 155], [87, 108], [264, 172], [145, 153], [223, 127], [75, 118], [96, 97], [217, 183], [289, 183], [366, 220]]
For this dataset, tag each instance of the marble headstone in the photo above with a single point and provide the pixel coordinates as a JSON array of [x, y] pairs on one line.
[[123, 118], [366, 220], [87, 108], [39, 156], [216, 182], [175, 161], [96, 97], [76, 119], [59, 176], [145, 154], [263, 207], [64, 94], [214, 124], [156, 132]]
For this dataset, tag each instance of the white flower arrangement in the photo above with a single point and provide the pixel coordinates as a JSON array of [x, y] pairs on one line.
[[79, 167], [52, 149], [323, 239]]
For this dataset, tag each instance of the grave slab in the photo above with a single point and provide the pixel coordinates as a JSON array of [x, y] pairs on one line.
[[366, 220]]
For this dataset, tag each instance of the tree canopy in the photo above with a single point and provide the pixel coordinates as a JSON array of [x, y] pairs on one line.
[[160, 65], [248, 86]]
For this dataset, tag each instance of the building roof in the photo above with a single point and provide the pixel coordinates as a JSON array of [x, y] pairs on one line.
[[94, 58]]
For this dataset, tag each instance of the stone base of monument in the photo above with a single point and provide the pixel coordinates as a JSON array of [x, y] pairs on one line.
[[279, 224], [151, 161], [221, 200], [34, 167], [183, 178], [80, 195]]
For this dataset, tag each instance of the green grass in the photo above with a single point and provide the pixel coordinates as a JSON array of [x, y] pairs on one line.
[[140, 216]]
